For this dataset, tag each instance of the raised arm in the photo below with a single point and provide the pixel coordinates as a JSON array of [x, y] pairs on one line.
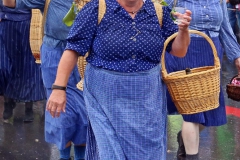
[[181, 42]]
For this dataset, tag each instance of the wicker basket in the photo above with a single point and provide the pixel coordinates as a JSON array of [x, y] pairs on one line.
[[81, 68], [195, 92], [81, 59], [233, 91], [36, 34], [81, 3]]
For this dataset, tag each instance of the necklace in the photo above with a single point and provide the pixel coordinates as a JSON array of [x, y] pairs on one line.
[[133, 12]]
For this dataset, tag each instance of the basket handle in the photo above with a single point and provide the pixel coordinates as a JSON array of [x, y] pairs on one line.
[[236, 76], [216, 59]]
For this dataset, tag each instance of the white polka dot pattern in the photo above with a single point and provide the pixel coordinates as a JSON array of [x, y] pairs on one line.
[[119, 42]]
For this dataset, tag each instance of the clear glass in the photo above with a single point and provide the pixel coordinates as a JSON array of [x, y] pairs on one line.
[[178, 18]]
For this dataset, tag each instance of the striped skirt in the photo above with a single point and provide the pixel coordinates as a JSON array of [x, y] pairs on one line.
[[199, 54], [127, 115], [20, 76]]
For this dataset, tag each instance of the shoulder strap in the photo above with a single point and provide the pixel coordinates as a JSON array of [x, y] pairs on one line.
[[174, 3], [101, 10], [159, 12], [44, 15]]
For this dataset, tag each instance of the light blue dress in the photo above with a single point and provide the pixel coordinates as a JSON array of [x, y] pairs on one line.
[[71, 125]]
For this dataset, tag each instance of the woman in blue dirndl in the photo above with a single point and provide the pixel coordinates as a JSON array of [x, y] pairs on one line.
[[211, 18], [123, 90], [71, 127], [20, 76]]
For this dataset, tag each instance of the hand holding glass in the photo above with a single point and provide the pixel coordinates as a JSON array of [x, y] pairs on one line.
[[178, 18]]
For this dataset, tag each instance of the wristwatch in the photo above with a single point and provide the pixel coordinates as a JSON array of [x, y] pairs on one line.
[[58, 87]]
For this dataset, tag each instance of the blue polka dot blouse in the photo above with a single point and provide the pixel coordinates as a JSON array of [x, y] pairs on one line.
[[120, 43]]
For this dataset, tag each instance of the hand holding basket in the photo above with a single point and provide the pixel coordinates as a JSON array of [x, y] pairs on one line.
[[195, 92]]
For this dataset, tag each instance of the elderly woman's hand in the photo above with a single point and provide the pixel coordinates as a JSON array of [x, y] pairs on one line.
[[237, 64], [56, 102], [183, 26]]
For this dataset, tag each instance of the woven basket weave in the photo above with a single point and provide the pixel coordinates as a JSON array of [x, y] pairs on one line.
[[36, 34], [37, 30], [233, 91], [195, 92], [82, 59]]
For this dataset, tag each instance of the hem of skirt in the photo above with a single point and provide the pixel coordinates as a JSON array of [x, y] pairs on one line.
[[62, 141]]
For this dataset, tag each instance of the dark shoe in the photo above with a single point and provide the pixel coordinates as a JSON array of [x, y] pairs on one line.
[[181, 153], [9, 105], [28, 112], [65, 159], [192, 157]]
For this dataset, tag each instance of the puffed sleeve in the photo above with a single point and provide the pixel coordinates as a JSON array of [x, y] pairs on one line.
[[82, 33], [227, 37]]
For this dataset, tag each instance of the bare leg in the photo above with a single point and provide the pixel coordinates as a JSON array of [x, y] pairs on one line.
[[190, 134]]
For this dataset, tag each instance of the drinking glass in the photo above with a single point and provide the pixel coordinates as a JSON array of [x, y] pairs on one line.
[[178, 18]]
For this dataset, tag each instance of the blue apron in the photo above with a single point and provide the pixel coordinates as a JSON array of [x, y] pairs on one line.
[[127, 114]]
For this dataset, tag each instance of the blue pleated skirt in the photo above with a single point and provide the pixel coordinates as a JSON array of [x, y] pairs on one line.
[[20, 76], [127, 115], [199, 54], [71, 125]]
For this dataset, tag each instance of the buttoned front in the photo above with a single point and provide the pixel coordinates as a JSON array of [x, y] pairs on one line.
[[119, 42]]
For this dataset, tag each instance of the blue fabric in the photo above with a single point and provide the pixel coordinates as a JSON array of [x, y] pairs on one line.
[[55, 31], [127, 113], [110, 42], [65, 153], [14, 15], [20, 76], [71, 125], [234, 16], [199, 54], [212, 16], [79, 152]]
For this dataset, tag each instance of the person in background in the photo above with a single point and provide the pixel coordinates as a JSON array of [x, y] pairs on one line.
[[71, 126], [210, 17], [123, 91], [234, 15], [20, 76]]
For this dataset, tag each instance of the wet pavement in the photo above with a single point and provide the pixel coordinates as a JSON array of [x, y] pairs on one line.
[[25, 141]]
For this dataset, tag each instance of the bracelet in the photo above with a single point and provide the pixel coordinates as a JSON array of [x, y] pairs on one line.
[[58, 87]]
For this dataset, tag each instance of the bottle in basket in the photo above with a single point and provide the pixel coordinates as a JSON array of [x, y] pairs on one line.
[[188, 71]]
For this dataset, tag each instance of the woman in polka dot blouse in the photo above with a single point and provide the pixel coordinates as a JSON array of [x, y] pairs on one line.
[[123, 91]]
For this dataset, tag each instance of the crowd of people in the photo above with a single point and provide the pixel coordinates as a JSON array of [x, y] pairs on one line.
[[122, 111]]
